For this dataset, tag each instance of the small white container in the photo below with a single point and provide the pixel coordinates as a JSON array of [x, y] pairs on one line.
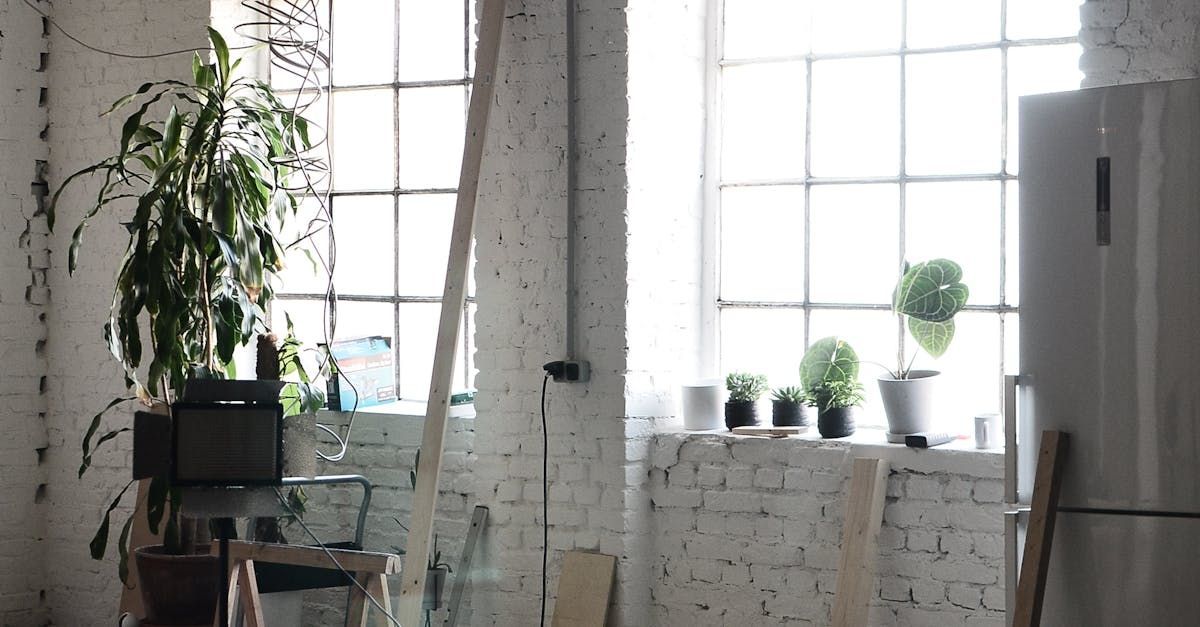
[[987, 431], [703, 404]]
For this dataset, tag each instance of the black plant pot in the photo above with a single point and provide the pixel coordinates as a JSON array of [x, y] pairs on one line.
[[788, 414], [837, 422], [740, 414]]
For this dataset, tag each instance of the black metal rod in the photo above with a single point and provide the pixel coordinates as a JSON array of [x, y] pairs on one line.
[[1150, 513]]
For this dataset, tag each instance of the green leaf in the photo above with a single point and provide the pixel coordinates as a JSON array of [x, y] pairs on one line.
[[171, 133], [931, 291], [87, 458], [934, 337], [91, 431], [100, 540], [222, 51], [156, 502], [829, 359], [123, 549]]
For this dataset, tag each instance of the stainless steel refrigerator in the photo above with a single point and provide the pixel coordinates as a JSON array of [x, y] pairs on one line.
[[1110, 349]]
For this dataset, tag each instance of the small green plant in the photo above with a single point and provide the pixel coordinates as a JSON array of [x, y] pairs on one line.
[[744, 387], [788, 394], [827, 395], [928, 294]]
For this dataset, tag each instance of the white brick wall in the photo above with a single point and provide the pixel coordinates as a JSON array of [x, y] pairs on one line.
[[1133, 41], [23, 295]]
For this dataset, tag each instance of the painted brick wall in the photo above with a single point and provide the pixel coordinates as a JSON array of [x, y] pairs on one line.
[[82, 375], [1133, 41], [23, 297], [748, 532]]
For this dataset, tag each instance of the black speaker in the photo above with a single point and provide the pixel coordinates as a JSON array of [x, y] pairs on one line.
[[226, 444]]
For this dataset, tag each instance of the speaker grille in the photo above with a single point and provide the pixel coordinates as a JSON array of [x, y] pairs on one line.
[[219, 444]]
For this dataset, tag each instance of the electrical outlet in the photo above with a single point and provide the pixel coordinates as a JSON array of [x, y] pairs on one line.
[[571, 371]]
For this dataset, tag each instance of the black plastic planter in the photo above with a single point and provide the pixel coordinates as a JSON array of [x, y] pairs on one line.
[[740, 414], [787, 414], [837, 422]]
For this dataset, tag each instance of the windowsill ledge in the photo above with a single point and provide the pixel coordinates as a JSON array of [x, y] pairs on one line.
[[398, 410]]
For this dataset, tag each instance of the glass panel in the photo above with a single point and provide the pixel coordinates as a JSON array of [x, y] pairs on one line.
[[873, 336], [360, 319], [961, 222], [765, 28], [364, 227], [763, 341], [1029, 19], [853, 25], [1012, 343], [856, 117], [313, 107], [418, 339], [295, 73], [431, 39], [1037, 70], [432, 127], [424, 242], [937, 23], [854, 242], [363, 151], [953, 109], [364, 48], [970, 381], [308, 319], [304, 272], [762, 243], [763, 133], [1012, 245]]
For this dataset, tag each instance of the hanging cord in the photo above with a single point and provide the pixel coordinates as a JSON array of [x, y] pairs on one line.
[[545, 497]]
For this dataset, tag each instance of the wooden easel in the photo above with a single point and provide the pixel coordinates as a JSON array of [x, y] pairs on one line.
[[1039, 535], [860, 539], [370, 570]]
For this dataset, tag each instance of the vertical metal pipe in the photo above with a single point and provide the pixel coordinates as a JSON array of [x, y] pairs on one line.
[[571, 180]]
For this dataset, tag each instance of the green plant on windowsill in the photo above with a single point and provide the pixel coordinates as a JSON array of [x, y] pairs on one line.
[[788, 394], [744, 387], [828, 395], [926, 299]]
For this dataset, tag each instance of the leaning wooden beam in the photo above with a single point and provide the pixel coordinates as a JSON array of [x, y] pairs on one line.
[[1039, 535], [860, 536], [412, 586]]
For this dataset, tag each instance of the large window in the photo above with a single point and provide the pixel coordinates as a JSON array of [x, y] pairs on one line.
[[853, 135], [395, 94]]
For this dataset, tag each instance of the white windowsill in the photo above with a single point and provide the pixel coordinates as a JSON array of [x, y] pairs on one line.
[[400, 410]]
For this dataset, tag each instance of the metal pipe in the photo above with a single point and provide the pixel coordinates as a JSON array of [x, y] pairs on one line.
[[571, 180], [336, 479]]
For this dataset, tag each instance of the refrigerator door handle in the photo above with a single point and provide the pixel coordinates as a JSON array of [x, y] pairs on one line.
[[1010, 437]]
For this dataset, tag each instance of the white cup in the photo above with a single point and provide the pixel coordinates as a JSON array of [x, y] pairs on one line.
[[987, 431], [702, 405]]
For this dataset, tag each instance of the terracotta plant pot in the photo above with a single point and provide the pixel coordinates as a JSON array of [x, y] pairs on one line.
[[178, 589], [740, 414], [837, 422], [787, 414]]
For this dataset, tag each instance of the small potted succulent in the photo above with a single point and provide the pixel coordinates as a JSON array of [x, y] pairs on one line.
[[829, 378], [787, 407], [741, 409]]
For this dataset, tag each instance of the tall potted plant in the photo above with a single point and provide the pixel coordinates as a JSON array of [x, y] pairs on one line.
[[829, 378], [926, 299], [209, 183]]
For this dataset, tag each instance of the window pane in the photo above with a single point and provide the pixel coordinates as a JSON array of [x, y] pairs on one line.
[[764, 28], [1037, 70], [424, 242], [855, 242], [418, 339], [471, 370], [961, 222], [763, 341], [953, 112], [856, 117], [304, 272], [852, 25], [367, 56], [936, 23], [308, 319], [873, 335], [363, 153], [1029, 19], [431, 39], [432, 127], [314, 107], [364, 227], [763, 134], [970, 381], [1012, 342], [762, 243], [289, 74], [1012, 248]]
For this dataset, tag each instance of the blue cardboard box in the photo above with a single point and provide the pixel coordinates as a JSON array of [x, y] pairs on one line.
[[365, 372]]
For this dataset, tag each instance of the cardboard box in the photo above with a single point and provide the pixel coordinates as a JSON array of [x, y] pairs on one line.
[[367, 364]]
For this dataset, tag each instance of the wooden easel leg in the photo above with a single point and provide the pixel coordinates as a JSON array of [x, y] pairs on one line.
[[248, 592], [235, 569], [1043, 512], [860, 537], [379, 590], [359, 605]]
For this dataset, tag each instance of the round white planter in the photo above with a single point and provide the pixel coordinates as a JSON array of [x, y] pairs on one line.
[[909, 403], [704, 405]]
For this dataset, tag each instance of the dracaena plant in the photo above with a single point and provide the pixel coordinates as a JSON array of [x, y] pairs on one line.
[[926, 298], [210, 194]]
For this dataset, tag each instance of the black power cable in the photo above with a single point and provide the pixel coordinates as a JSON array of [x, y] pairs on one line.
[[545, 497]]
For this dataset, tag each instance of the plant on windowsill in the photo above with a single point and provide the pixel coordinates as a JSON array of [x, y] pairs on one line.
[[926, 299], [208, 183], [787, 407], [829, 377], [741, 410]]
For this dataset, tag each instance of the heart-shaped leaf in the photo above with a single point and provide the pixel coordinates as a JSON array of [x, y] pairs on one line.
[[829, 359], [934, 337], [931, 291]]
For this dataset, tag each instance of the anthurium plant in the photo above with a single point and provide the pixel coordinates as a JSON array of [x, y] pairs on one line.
[[926, 298], [209, 188]]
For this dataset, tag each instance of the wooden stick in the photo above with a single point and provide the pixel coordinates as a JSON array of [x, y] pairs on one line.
[[296, 555], [412, 586], [248, 592], [1039, 535], [864, 515]]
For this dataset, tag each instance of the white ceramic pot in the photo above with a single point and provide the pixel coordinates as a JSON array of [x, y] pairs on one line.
[[910, 403], [703, 405]]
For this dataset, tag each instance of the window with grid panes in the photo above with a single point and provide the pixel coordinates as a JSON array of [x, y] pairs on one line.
[[397, 91], [854, 134]]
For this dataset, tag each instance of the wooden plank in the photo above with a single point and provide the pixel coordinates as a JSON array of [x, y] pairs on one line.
[[770, 432], [354, 561], [860, 535], [359, 605], [379, 590], [248, 591], [584, 588], [478, 520], [1039, 535], [412, 587]]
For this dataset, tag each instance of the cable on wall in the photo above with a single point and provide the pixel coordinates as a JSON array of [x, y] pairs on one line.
[[545, 497], [572, 175]]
